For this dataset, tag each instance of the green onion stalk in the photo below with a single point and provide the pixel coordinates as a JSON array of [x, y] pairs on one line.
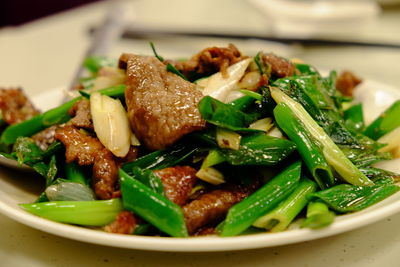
[[151, 206], [318, 216], [332, 153], [242, 215], [306, 146], [279, 218], [88, 213]]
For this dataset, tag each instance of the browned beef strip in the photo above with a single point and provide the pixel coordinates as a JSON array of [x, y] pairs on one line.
[[206, 230], [88, 150], [178, 183], [79, 146], [105, 174], [15, 106], [210, 60], [213, 206], [46, 137], [346, 82], [280, 67], [162, 107], [80, 113], [125, 223]]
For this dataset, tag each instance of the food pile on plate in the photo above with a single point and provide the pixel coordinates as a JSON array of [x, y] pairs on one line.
[[221, 143]]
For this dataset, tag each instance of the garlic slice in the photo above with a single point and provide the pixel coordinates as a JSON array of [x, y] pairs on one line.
[[211, 175], [219, 87], [110, 123]]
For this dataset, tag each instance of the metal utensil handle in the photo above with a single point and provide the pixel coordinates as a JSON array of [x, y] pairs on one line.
[[106, 35]]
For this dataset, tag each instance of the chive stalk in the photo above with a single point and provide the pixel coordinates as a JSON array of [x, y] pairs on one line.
[[242, 215], [279, 219], [318, 216], [74, 173], [213, 157], [89, 213], [333, 155], [386, 122], [308, 149], [153, 207], [354, 117]]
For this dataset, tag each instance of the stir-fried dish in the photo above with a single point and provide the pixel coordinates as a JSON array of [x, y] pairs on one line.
[[222, 143]]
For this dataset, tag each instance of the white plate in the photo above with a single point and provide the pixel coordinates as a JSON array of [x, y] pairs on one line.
[[16, 188]]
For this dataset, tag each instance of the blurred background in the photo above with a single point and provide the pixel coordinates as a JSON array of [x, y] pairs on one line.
[[52, 37], [16, 12]]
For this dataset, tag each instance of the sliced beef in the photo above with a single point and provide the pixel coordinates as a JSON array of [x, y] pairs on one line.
[[178, 183], [88, 150], [79, 147], [162, 107], [81, 118], [80, 113], [346, 82], [280, 67], [210, 60], [207, 230], [213, 206], [105, 174], [46, 137], [15, 106], [125, 223]]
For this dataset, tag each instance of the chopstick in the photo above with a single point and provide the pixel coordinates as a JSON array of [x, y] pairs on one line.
[[105, 35], [133, 33]]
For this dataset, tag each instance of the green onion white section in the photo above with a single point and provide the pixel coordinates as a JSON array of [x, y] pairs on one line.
[[228, 139], [263, 124], [111, 123], [219, 87], [90, 213]]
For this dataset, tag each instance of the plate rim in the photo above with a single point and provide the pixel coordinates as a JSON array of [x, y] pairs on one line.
[[342, 224]]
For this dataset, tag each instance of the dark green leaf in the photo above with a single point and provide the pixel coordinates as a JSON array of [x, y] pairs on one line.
[[162, 158], [148, 178], [26, 151], [259, 149], [224, 115], [350, 198]]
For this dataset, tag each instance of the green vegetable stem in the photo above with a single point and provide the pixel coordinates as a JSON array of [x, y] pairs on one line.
[[246, 212], [307, 147], [153, 207], [116, 91], [280, 218], [318, 215], [162, 158], [89, 213], [332, 153], [354, 118], [75, 173], [259, 149], [148, 178], [386, 122]]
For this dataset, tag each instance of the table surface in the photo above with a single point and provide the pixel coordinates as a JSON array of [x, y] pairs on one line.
[[45, 54]]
